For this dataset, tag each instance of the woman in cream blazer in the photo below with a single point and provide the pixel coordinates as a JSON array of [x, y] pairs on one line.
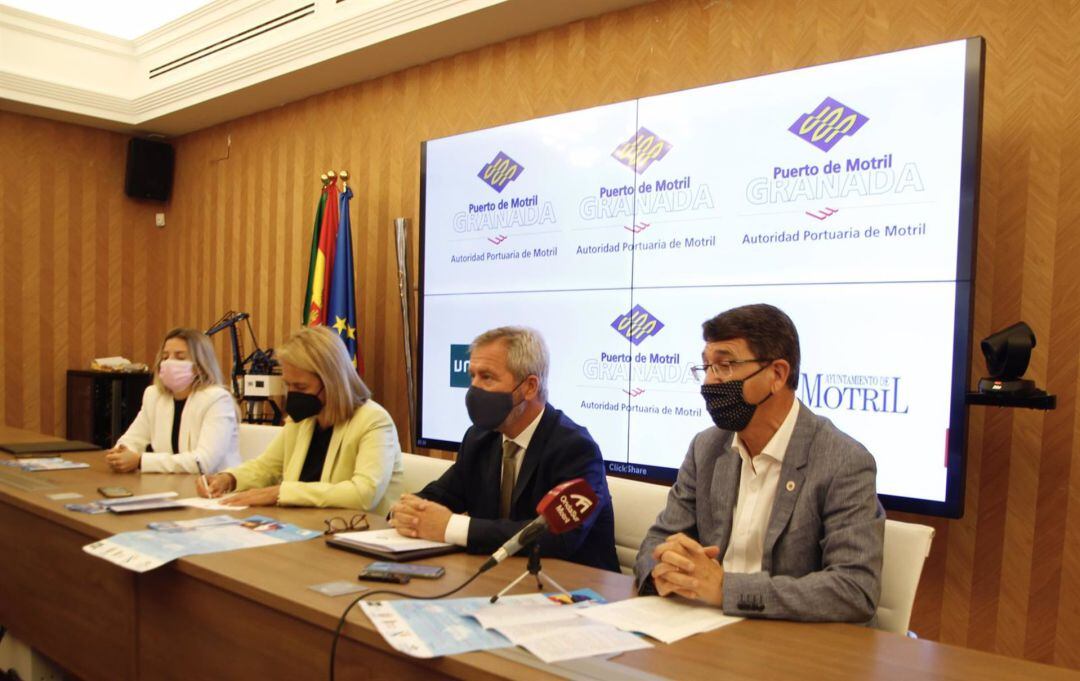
[[338, 449], [188, 383]]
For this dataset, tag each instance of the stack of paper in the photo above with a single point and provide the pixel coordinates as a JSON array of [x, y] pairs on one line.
[[192, 525], [50, 463], [432, 628], [665, 619], [449, 627], [205, 504], [142, 502], [147, 549], [530, 609], [554, 632], [573, 639]]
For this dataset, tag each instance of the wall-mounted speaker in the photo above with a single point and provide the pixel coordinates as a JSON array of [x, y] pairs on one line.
[[149, 170]]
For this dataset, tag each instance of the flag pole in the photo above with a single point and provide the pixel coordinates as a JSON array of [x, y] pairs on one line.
[[401, 226]]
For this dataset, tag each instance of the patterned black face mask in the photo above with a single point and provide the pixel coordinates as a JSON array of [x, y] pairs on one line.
[[727, 406]]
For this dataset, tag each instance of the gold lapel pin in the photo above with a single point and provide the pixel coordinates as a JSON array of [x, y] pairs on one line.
[[791, 485]]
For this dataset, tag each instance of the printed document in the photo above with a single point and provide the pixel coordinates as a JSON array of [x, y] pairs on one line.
[[665, 619]]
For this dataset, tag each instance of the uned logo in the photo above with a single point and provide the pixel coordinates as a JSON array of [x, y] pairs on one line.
[[828, 124], [459, 366], [637, 325], [500, 172], [641, 150]]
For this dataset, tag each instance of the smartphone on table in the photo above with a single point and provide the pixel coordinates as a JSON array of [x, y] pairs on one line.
[[409, 569], [370, 575]]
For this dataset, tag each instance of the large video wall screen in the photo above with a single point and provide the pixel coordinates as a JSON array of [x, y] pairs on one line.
[[843, 194]]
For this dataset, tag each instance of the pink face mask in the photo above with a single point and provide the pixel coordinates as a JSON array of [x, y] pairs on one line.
[[177, 374]]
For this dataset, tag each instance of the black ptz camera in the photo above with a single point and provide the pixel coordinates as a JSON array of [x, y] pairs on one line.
[[1007, 354]]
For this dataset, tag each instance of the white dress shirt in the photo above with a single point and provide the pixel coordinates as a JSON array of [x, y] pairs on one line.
[[457, 529], [757, 490]]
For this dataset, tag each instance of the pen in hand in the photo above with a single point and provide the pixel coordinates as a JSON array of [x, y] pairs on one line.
[[205, 480]]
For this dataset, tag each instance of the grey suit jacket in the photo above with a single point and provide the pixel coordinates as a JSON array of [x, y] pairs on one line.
[[823, 546]]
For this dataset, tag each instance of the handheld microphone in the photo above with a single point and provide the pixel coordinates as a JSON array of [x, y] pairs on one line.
[[565, 507]]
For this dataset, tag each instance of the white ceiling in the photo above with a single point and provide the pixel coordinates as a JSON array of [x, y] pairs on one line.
[[126, 19], [231, 58]]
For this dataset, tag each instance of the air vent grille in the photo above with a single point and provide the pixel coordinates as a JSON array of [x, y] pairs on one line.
[[233, 40]]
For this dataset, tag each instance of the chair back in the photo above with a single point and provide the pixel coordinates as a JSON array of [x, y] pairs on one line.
[[636, 506], [420, 470], [255, 438], [907, 546]]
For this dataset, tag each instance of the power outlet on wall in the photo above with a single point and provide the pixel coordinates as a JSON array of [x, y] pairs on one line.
[[159, 219]]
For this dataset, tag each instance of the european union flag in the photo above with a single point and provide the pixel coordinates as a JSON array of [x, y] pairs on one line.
[[341, 306]]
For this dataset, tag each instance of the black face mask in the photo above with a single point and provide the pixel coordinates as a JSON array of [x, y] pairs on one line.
[[727, 406], [488, 409], [300, 406]]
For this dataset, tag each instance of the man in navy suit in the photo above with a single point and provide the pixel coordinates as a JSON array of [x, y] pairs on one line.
[[518, 448]]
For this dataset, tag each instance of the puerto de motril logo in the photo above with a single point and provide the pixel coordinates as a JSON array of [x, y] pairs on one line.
[[501, 171], [640, 151], [637, 325], [829, 123]]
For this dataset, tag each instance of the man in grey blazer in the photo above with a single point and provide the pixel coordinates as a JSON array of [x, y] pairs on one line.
[[774, 512]]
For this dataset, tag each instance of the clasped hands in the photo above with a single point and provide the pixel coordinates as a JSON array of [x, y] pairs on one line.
[[123, 460], [420, 518], [688, 569]]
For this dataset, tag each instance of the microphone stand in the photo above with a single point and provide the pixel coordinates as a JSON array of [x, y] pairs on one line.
[[533, 569]]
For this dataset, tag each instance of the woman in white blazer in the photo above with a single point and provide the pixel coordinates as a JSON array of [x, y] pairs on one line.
[[339, 448], [187, 417]]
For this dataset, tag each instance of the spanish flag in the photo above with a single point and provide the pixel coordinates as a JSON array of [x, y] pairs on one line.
[[314, 254], [322, 261]]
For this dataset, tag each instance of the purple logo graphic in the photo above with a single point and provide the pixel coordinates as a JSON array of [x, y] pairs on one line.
[[637, 325], [828, 124], [500, 172], [641, 150]]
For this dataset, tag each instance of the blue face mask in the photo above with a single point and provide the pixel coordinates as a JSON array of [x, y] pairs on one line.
[[488, 409], [727, 406]]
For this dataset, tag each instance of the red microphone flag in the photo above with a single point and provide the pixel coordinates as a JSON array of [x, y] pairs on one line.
[[567, 505]]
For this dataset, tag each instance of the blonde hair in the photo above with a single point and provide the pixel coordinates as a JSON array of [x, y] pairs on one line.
[[201, 352], [320, 351], [526, 353]]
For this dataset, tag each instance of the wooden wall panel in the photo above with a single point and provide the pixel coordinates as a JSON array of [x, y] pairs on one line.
[[84, 272], [80, 264]]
